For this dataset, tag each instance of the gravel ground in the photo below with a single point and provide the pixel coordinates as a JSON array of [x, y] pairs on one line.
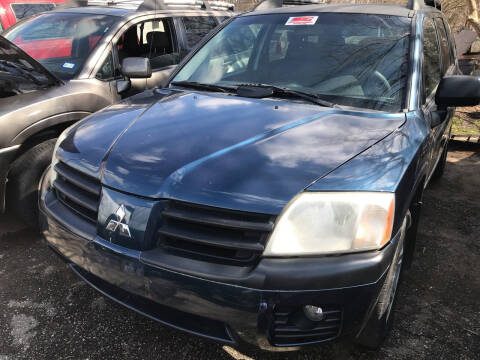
[[46, 312]]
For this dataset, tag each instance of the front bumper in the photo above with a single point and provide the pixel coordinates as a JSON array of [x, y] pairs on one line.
[[247, 309]]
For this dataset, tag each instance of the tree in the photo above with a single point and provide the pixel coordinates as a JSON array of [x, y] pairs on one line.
[[473, 19]]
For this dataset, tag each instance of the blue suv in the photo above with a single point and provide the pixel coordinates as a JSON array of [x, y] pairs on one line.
[[270, 194]]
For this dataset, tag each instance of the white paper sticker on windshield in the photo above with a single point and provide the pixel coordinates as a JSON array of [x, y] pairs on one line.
[[68, 65], [302, 20]]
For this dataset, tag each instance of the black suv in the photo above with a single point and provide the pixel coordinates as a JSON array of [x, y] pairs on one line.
[[271, 193]]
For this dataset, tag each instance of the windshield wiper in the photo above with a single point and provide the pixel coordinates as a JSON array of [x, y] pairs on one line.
[[25, 71], [296, 93], [202, 86]]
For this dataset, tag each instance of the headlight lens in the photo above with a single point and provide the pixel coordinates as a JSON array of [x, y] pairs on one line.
[[333, 222]]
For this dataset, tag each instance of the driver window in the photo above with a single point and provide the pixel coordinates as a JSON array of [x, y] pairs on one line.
[[152, 39], [431, 58]]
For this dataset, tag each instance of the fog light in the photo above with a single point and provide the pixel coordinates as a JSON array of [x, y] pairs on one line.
[[314, 313]]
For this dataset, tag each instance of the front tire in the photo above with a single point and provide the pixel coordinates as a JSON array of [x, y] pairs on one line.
[[23, 181], [440, 169], [381, 319]]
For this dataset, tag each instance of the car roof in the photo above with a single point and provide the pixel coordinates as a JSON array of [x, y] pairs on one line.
[[392, 10], [122, 12]]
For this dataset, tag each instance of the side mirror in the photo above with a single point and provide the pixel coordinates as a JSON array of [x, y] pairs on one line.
[[458, 90], [123, 85], [136, 68]]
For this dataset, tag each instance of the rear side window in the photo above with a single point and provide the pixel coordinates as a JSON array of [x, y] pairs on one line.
[[26, 10], [196, 27], [444, 45], [431, 58]]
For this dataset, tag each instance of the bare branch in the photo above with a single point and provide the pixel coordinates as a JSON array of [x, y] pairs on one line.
[[473, 19]]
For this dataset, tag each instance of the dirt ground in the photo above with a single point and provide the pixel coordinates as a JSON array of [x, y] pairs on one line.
[[467, 121], [46, 312]]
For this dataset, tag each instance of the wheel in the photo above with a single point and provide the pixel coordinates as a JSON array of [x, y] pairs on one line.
[[381, 318], [440, 169], [23, 180]]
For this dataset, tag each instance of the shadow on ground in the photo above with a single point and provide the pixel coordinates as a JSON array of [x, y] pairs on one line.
[[46, 312]]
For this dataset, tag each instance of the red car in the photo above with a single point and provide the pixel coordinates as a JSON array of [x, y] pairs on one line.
[[12, 11]]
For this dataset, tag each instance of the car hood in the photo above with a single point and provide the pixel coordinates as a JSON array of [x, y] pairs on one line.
[[219, 149], [19, 72]]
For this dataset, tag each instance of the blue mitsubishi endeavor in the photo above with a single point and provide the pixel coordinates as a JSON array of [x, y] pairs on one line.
[[270, 194]]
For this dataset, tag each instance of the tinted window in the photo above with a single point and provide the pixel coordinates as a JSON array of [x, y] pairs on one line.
[[196, 27], [26, 10], [444, 46], [61, 42], [351, 59], [431, 57]]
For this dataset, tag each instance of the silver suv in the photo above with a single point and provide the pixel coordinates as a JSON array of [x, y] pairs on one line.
[[60, 66]]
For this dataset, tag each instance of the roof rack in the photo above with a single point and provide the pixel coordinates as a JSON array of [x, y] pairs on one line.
[[185, 4], [272, 4], [153, 4]]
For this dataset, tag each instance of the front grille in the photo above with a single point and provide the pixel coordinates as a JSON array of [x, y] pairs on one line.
[[77, 191], [291, 329], [213, 234]]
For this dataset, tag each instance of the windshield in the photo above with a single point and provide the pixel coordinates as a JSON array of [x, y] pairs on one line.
[[60, 41], [350, 59]]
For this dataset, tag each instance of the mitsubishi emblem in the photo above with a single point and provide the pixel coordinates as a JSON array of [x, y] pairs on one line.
[[117, 223]]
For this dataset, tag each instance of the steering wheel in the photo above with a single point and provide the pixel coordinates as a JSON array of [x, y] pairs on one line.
[[379, 82]]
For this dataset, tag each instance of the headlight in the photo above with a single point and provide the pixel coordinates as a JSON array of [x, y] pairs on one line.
[[333, 222]]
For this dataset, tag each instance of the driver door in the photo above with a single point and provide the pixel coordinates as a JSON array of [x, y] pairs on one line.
[[437, 62], [432, 74]]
